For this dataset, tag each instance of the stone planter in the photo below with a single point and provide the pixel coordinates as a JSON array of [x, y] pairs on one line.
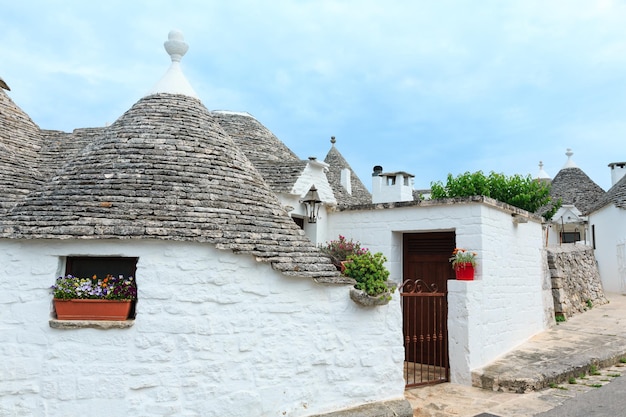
[[362, 298], [92, 309]]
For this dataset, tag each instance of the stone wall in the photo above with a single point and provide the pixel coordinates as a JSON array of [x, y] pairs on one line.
[[216, 334], [576, 284], [510, 299]]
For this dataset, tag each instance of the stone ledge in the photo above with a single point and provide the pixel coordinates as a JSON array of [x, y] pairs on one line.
[[395, 408], [90, 324]]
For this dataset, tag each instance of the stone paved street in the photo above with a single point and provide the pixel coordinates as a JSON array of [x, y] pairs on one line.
[[452, 400]]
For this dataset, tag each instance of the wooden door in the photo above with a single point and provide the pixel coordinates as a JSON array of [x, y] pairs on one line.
[[426, 270]]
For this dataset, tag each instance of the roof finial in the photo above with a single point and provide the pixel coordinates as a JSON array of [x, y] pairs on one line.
[[333, 140], [176, 46], [569, 163], [174, 81], [542, 175]]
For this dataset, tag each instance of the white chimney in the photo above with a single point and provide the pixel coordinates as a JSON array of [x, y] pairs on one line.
[[618, 170], [391, 187]]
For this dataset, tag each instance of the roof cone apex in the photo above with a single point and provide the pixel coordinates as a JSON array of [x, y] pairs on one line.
[[569, 163], [174, 81]]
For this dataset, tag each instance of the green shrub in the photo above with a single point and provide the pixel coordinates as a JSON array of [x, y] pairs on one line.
[[522, 192], [369, 272]]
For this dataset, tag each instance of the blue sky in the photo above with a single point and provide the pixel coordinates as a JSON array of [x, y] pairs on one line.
[[428, 87]]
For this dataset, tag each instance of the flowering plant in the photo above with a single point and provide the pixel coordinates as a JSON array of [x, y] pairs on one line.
[[108, 288], [461, 257], [339, 250]]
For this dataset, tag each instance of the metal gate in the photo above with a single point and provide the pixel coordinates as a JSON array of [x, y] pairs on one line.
[[425, 330]]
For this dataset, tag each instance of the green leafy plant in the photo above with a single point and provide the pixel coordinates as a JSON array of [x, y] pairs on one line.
[[339, 250], [108, 288], [461, 256], [522, 192], [560, 318], [369, 272], [593, 370], [572, 380]]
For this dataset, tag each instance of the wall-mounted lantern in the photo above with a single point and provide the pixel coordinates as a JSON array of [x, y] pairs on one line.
[[312, 204]]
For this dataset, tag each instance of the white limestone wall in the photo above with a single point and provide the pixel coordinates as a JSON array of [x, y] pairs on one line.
[[510, 299], [216, 334], [610, 237]]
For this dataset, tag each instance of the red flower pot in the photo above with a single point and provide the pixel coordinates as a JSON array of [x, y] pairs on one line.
[[92, 309], [464, 272]]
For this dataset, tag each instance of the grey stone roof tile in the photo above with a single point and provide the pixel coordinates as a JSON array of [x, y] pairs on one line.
[[278, 165], [616, 195], [360, 195], [20, 143], [164, 170], [574, 187]]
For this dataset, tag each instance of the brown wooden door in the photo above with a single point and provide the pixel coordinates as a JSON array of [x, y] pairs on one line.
[[426, 257], [426, 260]]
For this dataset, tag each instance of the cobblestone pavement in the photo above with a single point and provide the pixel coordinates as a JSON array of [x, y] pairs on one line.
[[452, 400]]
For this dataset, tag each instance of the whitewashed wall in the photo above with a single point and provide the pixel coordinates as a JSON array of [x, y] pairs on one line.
[[610, 234], [509, 301], [216, 334]]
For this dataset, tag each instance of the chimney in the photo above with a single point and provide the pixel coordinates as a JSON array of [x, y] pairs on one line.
[[618, 170], [391, 187]]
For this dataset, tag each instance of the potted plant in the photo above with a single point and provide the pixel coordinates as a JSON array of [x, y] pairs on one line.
[[339, 250], [93, 298], [370, 274], [463, 262]]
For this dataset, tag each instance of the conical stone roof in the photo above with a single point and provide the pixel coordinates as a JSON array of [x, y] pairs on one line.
[[20, 142], [574, 187], [616, 195], [167, 170], [255, 140], [337, 163]]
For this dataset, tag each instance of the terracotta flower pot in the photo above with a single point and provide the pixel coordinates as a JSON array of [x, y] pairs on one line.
[[464, 272], [92, 309]]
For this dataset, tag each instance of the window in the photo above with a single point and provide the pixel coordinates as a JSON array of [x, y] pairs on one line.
[[391, 180], [299, 221], [88, 266], [570, 237]]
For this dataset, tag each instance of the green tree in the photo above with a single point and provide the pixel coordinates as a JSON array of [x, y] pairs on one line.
[[523, 192]]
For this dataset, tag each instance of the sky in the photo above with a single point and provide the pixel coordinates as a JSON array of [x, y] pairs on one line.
[[427, 87]]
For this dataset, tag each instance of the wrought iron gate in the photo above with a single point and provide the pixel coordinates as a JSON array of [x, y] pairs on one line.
[[425, 331]]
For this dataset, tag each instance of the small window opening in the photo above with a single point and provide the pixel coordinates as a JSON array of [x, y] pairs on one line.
[[101, 266]]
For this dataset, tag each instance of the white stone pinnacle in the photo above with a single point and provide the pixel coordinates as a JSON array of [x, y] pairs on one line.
[[569, 163], [174, 81]]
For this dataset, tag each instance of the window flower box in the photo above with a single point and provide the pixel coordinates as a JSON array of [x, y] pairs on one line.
[[109, 298], [77, 309]]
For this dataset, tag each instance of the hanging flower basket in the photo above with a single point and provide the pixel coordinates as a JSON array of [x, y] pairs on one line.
[[92, 309]]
